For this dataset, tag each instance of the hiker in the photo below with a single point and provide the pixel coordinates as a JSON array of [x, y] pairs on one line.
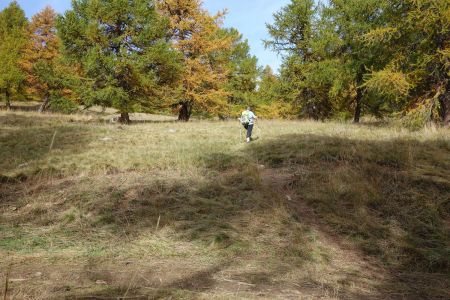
[[248, 120]]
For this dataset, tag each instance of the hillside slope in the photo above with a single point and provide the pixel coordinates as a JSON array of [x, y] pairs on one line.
[[187, 211]]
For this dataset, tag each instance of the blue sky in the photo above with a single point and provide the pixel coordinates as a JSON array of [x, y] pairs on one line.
[[248, 16]]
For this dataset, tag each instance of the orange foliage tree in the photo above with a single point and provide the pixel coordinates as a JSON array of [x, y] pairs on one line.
[[41, 59], [196, 34]]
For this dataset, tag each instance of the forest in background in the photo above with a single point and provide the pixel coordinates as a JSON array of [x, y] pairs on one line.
[[341, 60]]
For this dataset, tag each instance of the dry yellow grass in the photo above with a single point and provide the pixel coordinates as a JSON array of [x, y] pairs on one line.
[[170, 210]]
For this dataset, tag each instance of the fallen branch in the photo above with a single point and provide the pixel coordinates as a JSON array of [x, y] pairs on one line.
[[238, 282], [157, 224], [53, 141]]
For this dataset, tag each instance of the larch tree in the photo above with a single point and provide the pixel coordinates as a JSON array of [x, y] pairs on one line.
[[12, 40], [292, 34], [414, 37], [40, 59], [352, 19], [268, 85], [325, 59], [195, 34], [243, 70], [123, 51]]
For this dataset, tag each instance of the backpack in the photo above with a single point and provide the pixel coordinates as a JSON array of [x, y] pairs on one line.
[[245, 118]]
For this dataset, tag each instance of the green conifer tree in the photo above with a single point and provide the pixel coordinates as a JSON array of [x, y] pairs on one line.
[[122, 48], [12, 41]]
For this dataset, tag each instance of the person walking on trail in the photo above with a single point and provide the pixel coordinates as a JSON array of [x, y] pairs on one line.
[[248, 120]]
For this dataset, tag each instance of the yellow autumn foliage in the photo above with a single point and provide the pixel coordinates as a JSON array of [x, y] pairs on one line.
[[194, 32], [388, 82]]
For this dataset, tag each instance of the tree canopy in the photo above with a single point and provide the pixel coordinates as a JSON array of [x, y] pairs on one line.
[[378, 57], [12, 40], [46, 75], [123, 52], [196, 35]]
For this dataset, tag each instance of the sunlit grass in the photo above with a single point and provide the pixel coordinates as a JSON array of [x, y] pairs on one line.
[[326, 209]]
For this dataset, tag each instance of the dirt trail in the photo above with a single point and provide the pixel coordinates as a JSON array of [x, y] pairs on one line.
[[347, 262], [338, 270]]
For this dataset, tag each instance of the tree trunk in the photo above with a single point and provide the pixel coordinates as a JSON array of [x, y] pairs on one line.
[[359, 95], [8, 100], [358, 106], [124, 118], [444, 100], [44, 104], [185, 112]]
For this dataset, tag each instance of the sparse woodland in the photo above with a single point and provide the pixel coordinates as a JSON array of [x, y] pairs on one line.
[[341, 60], [344, 192]]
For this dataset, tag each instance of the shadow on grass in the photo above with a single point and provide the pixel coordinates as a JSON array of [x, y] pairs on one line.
[[26, 139], [223, 214], [22, 107], [390, 199]]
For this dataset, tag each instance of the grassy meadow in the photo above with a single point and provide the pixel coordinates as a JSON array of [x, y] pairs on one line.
[[167, 210]]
